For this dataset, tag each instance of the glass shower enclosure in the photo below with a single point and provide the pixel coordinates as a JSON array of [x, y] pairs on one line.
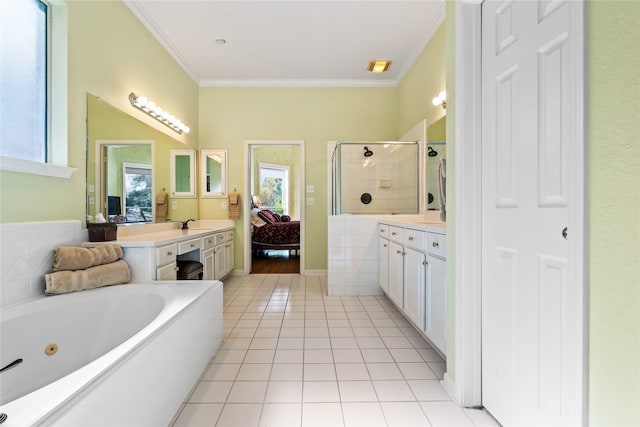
[[375, 178]]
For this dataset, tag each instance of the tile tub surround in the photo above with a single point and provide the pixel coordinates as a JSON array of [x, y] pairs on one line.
[[26, 255], [293, 356]]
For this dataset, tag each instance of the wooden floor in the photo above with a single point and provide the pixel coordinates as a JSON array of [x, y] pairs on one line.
[[275, 262]]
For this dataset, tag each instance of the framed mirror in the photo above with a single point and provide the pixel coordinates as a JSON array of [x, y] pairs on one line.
[[213, 173], [183, 167]]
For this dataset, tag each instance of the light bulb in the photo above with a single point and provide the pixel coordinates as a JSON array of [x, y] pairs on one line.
[[158, 111], [165, 115], [186, 129], [436, 101], [150, 106], [141, 101], [443, 95], [172, 119]]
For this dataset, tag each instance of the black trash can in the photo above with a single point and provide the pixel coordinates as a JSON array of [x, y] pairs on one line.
[[190, 270]]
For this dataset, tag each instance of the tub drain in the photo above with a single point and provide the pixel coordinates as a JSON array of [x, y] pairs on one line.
[[51, 349]]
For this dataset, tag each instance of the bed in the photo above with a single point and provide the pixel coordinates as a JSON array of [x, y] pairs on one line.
[[271, 231]]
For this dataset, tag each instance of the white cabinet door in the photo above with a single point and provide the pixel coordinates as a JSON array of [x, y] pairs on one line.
[[383, 264], [229, 258], [220, 261], [396, 254], [414, 286], [208, 265], [168, 272], [435, 317]]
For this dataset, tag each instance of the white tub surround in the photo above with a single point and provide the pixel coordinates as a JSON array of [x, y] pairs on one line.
[[152, 251], [131, 361], [26, 254]]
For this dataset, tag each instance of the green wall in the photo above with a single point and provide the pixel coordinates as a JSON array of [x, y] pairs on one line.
[[613, 132]]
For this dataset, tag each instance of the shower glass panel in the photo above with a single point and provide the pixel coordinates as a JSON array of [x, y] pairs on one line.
[[375, 178]]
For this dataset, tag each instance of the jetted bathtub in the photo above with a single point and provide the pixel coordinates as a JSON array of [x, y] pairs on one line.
[[123, 355]]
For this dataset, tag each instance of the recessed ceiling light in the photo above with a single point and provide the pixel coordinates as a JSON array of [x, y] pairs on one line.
[[379, 65], [221, 41]]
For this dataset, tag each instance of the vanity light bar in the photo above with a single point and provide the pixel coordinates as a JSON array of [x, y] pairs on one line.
[[153, 110]]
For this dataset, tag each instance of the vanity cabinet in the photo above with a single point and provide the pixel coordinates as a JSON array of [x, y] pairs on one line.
[[223, 255], [166, 267], [207, 257], [412, 268]]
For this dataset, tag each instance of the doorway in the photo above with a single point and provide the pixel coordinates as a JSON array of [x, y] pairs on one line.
[[274, 215], [471, 244]]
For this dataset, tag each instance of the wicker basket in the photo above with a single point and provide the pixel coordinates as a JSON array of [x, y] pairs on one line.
[[102, 232]]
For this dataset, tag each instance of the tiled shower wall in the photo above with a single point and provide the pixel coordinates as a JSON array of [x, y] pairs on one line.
[[389, 175], [26, 254], [353, 255]]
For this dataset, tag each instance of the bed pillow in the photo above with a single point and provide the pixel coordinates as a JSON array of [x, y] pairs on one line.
[[256, 221], [285, 218], [277, 217], [267, 216]]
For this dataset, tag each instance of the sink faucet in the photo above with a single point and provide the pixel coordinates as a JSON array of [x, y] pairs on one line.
[[185, 224]]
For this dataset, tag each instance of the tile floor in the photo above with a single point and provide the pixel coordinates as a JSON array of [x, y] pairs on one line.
[[293, 356]]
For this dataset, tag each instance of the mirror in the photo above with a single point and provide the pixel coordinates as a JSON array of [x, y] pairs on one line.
[[436, 150], [183, 171], [213, 173], [128, 147]]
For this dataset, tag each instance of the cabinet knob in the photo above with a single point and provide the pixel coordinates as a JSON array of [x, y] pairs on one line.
[[425, 263], [384, 245], [170, 253], [404, 253], [410, 237], [398, 252], [393, 233], [435, 244]]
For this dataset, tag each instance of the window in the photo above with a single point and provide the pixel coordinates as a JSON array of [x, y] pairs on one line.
[[33, 87], [137, 192], [274, 188]]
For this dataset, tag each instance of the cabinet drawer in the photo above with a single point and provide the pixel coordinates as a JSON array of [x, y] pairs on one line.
[[208, 242], [188, 246], [415, 239], [396, 234], [168, 272], [437, 244], [384, 230], [166, 254], [228, 235], [219, 238]]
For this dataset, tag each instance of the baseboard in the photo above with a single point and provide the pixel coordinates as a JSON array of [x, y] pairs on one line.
[[315, 272], [449, 386]]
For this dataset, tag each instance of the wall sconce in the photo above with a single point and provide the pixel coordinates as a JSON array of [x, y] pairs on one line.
[[153, 110], [441, 99]]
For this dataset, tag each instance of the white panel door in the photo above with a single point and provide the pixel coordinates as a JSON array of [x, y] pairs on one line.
[[530, 318]]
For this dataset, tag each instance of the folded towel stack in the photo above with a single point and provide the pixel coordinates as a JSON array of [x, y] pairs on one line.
[[76, 268]]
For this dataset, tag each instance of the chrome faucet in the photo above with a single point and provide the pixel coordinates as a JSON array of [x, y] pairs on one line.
[[185, 224]]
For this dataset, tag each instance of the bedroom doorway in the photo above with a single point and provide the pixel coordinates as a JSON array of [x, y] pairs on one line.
[[274, 214]]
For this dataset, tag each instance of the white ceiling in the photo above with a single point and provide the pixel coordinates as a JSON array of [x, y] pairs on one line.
[[291, 43]]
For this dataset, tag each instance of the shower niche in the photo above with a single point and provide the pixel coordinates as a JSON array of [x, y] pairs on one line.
[[375, 178]]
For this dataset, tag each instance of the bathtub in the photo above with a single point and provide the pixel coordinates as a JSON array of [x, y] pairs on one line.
[[123, 355]]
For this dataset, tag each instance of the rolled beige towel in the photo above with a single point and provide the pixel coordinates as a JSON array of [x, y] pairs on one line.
[[60, 282], [78, 258]]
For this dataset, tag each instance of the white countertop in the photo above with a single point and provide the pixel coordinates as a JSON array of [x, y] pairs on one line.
[[416, 222], [156, 235]]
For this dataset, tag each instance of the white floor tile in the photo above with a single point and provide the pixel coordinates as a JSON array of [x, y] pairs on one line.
[[393, 391], [254, 372], [428, 390], [259, 356], [221, 372], [322, 415], [287, 343], [404, 414], [199, 415], [363, 414], [284, 391], [416, 371], [247, 392], [239, 415], [318, 356], [320, 391], [351, 371], [211, 392], [344, 343], [405, 355], [370, 343], [311, 343], [319, 372], [230, 356], [377, 355], [286, 372], [438, 368], [445, 414], [481, 418], [357, 391], [263, 343], [281, 415], [347, 356], [289, 356]]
